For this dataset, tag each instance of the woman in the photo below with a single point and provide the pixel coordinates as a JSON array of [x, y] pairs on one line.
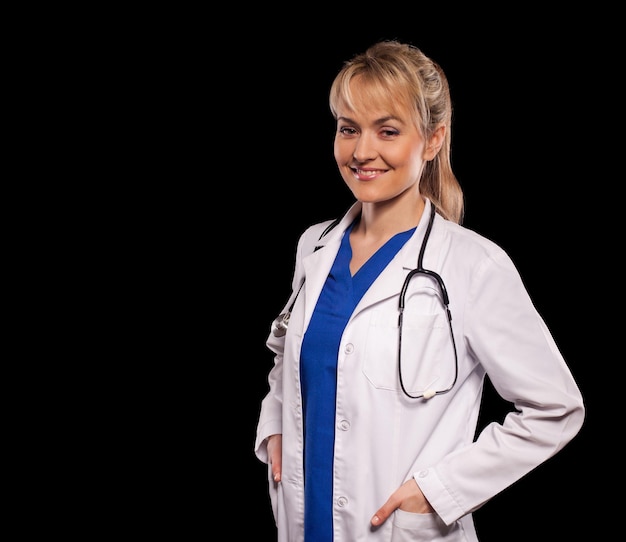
[[398, 313]]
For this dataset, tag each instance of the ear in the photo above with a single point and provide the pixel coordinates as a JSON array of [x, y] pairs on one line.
[[435, 142]]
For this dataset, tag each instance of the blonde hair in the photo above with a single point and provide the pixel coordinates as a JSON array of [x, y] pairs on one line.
[[400, 75]]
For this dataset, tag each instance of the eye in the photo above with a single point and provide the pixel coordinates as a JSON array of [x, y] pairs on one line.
[[347, 131], [389, 133]]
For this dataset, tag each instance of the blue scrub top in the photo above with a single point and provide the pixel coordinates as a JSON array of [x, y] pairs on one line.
[[318, 373]]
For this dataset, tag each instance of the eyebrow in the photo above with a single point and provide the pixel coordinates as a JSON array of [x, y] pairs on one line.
[[379, 121]]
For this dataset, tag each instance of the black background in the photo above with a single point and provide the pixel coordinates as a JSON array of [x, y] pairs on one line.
[[249, 122]]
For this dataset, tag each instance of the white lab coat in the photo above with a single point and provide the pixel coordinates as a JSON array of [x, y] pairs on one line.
[[382, 437]]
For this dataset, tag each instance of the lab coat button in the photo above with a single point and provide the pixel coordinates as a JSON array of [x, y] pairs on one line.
[[349, 348], [342, 501], [422, 473], [344, 425]]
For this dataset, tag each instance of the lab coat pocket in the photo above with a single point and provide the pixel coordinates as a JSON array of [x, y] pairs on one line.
[[411, 527], [426, 351]]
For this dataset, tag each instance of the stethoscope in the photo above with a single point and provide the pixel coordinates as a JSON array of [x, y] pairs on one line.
[[281, 322]]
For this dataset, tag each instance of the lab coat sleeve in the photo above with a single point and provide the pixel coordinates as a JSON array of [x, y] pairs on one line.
[[505, 333]]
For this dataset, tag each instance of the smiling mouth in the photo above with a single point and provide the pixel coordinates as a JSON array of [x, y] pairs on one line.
[[367, 173]]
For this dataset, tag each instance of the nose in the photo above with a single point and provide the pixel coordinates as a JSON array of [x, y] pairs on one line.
[[364, 148]]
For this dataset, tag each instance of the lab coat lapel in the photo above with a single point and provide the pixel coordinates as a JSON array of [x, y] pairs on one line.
[[317, 265]]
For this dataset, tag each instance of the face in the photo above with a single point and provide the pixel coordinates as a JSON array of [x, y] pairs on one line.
[[380, 154]]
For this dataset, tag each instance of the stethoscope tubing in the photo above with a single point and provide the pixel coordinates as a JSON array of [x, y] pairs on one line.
[[281, 322], [420, 270]]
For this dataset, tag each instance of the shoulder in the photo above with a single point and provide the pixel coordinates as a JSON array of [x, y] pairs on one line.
[[470, 245], [466, 235], [310, 238]]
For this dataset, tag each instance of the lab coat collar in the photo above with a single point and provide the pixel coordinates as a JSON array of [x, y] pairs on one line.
[[318, 264]]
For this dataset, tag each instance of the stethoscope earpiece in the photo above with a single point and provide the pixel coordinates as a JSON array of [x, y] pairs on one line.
[[280, 324]]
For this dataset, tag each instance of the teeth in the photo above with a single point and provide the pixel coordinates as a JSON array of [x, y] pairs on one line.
[[366, 173]]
